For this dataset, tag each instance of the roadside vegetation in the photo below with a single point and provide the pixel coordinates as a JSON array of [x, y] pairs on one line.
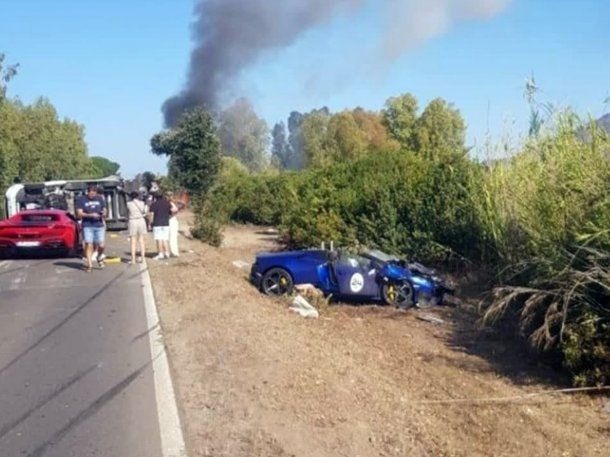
[[36, 145], [536, 221]]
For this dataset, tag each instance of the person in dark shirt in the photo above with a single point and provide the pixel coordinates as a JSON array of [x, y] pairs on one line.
[[159, 214], [91, 209]]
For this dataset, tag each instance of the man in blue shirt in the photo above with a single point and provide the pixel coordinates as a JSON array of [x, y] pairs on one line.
[[91, 209]]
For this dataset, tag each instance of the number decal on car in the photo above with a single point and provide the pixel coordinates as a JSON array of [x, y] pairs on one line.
[[356, 283]]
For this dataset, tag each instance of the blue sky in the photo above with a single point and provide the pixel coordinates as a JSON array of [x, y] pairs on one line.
[[111, 64]]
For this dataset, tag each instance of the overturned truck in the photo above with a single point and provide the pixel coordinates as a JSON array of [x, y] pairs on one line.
[[63, 194]]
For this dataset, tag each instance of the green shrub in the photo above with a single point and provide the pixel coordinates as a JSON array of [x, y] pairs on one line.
[[210, 218], [586, 347], [397, 201], [547, 212], [539, 220]]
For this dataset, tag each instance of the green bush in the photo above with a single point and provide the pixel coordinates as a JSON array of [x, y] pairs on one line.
[[547, 213], [209, 220], [539, 220], [397, 201], [586, 347]]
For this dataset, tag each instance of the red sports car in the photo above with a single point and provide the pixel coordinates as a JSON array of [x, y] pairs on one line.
[[39, 231]]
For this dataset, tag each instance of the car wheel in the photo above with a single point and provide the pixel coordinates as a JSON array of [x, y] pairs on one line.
[[398, 294], [277, 281]]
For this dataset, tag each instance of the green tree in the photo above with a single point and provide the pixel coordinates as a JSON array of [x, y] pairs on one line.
[[103, 167], [244, 135], [315, 138], [7, 125], [6, 74], [399, 116], [440, 131], [345, 139], [280, 149], [295, 141], [193, 149], [49, 148], [298, 137], [374, 131], [344, 136]]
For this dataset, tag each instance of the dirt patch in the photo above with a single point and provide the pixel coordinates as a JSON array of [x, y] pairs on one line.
[[254, 379]]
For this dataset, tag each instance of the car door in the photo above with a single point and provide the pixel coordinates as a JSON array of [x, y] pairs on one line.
[[355, 277]]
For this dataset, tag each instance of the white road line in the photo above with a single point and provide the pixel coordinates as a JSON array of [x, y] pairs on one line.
[[172, 441], [4, 264]]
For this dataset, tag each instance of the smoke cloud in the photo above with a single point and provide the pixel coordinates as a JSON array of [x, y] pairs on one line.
[[230, 35], [411, 23]]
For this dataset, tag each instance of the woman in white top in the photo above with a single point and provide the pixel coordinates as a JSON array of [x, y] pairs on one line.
[[137, 211], [173, 226]]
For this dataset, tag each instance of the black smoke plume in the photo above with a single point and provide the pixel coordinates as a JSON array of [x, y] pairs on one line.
[[230, 35]]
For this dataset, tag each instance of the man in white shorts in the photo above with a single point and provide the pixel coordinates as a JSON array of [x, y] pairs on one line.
[[160, 212]]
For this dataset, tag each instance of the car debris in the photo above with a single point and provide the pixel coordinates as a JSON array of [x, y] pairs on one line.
[[301, 306], [269, 231], [431, 319], [240, 264]]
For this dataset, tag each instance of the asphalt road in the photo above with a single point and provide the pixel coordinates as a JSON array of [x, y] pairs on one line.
[[76, 374]]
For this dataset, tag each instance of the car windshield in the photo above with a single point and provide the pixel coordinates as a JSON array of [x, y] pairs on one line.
[[380, 255], [353, 261]]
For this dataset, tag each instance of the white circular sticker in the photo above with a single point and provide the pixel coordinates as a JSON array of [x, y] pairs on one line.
[[356, 283]]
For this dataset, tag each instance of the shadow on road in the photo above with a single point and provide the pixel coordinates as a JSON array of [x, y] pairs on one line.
[[75, 265]]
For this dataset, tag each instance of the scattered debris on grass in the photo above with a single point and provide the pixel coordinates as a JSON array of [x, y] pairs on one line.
[[429, 318], [253, 380], [241, 264], [303, 307]]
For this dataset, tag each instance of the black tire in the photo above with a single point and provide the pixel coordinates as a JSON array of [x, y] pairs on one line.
[[399, 295], [277, 281]]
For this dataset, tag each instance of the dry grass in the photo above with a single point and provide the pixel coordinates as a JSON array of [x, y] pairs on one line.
[[256, 380]]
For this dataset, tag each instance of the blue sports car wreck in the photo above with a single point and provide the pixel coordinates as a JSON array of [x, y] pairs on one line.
[[372, 275]]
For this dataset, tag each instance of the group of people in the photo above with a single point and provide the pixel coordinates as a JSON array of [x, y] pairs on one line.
[[160, 215]]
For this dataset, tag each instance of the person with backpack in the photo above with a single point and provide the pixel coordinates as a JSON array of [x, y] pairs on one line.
[[137, 226]]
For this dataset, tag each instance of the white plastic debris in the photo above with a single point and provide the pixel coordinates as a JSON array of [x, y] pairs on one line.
[[304, 308], [240, 264], [269, 231], [432, 319]]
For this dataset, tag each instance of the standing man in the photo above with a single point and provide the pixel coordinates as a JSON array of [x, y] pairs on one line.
[[160, 212], [91, 209]]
